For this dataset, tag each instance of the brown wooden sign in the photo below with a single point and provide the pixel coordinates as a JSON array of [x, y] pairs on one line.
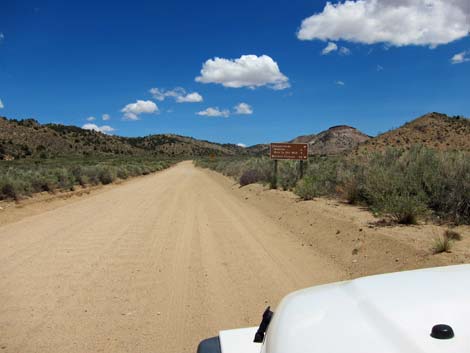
[[297, 151]]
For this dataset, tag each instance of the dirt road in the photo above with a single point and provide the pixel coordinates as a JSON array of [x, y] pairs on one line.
[[153, 265]]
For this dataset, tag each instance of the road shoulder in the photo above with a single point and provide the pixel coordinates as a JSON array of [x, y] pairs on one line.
[[349, 235]]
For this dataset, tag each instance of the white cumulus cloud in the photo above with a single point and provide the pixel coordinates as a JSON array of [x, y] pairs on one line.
[[241, 145], [178, 93], [247, 71], [1, 104], [91, 118], [160, 94], [243, 109], [190, 98], [133, 110], [461, 57], [214, 112], [394, 22], [329, 48], [340, 83], [105, 129], [106, 117]]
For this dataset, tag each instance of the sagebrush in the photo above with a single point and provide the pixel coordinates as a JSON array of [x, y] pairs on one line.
[[25, 177], [404, 184]]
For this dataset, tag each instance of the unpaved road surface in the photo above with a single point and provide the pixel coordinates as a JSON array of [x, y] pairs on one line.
[[152, 265]]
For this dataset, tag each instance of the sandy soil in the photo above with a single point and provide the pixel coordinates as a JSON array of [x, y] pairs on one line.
[[160, 262]]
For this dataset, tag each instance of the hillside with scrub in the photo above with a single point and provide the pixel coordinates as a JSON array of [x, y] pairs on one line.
[[29, 139], [434, 130]]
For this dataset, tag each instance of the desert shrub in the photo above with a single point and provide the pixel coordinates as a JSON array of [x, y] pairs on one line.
[[12, 187], [146, 170], [449, 193], [250, 176], [41, 182], [122, 173], [63, 179], [288, 174], [79, 175], [444, 178], [92, 175], [391, 186], [350, 182], [106, 176], [9, 191], [308, 188], [234, 169], [265, 168], [352, 191], [452, 235], [320, 179], [133, 170], [404, 208]]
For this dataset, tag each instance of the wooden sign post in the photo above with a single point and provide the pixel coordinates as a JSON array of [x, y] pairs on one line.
[[274, 180], [288, 151]]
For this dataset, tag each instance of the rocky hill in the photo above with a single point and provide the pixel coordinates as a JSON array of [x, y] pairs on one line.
[[28, 138], [433, 130], [335, 140]]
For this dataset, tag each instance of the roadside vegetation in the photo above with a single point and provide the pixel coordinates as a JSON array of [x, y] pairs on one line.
[[21, 178], [402, 184]]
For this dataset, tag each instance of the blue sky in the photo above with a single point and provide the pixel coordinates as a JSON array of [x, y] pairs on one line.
[[64, 61]]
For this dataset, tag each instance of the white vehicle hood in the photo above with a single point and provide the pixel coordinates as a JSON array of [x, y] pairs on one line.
[[239, 341], [392, 313]]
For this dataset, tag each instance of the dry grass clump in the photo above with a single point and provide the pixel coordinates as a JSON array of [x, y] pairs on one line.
[[445, 242], [442, 244]]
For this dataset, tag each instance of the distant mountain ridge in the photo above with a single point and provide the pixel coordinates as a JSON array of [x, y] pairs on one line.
[[28, 138]]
